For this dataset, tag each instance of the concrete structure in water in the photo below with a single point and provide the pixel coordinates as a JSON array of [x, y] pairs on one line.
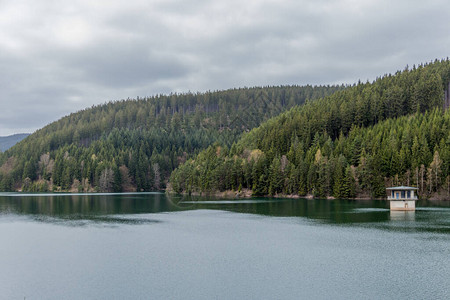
[[402, 198]]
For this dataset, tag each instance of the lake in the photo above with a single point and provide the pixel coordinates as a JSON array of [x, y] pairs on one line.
[[149, 246]]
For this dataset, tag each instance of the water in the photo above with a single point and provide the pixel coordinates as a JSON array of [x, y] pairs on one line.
[[146, 246]]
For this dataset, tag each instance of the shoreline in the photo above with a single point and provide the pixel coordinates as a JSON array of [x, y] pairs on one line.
[[229, 194], [245, 194]]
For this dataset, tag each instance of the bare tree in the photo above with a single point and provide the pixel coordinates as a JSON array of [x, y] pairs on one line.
[[44, 161], [76, 185], [157, 173], [435, 166], [422, 177], [284, 162], [127, 185], [430, 180], [85, 184], [106, 180], [45, 165]]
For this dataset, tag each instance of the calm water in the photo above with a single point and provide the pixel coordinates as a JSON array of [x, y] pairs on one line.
[[146, 246]]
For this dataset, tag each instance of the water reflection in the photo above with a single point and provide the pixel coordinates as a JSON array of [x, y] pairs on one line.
[[101, 221], [82, 209], [335, 211], [85, 204], [403, 215]]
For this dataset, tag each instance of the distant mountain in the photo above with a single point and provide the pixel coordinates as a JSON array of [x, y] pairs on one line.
[[7, 142]]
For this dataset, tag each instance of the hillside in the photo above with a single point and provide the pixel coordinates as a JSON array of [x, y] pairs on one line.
[[352, 143], [134, 144], [7, 142]]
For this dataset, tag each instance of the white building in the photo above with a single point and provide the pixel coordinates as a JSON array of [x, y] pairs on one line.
[[402, 197]]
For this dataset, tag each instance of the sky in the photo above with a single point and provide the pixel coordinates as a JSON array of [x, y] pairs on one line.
[[59, 56]]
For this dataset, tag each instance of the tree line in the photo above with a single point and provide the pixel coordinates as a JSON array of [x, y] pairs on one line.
[[134, 144], [352, 143]]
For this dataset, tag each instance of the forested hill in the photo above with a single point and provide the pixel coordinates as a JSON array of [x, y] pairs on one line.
[[134, 144], [353, 143]]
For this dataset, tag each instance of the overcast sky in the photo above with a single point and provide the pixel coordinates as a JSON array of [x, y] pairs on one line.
[[57, 57]]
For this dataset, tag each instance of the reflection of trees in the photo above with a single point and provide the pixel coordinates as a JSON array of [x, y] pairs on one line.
[[58, 205], [339, 211], [82, 205]]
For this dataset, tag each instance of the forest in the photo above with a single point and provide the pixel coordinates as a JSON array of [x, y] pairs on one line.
[[135, 144], [350, 144]]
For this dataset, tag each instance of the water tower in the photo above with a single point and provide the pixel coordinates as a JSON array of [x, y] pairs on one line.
[[402, 198]]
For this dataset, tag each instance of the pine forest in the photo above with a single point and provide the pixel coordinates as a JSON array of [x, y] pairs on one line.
[[353, 143], [134, 144]]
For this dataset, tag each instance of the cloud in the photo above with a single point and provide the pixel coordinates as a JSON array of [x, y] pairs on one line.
[[57, 57]]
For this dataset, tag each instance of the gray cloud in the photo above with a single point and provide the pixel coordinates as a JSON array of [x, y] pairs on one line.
[[60, 57]]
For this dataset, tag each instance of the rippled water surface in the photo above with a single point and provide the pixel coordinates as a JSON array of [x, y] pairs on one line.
[[148, 246]]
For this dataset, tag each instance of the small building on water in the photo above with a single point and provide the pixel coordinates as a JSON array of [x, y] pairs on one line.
[[402, 197]]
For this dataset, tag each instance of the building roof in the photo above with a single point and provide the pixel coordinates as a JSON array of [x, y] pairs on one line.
[[400, 188]]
